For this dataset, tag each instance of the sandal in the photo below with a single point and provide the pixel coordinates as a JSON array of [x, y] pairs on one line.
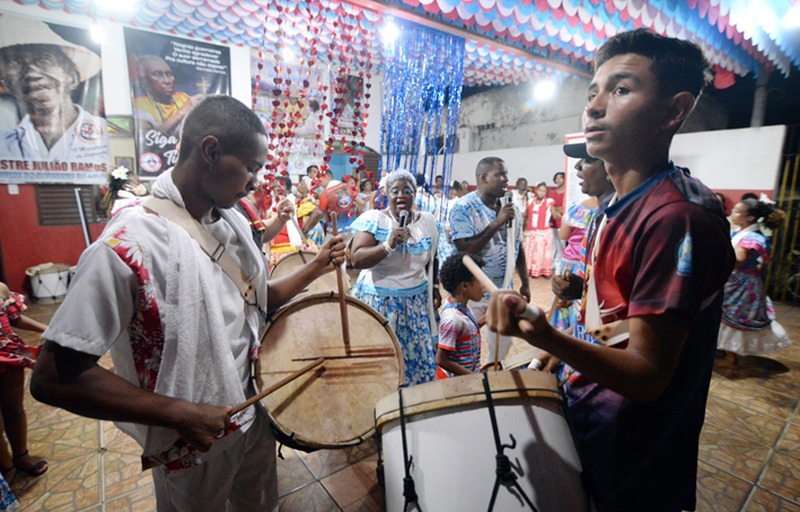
[[38, 468], [9, 473]]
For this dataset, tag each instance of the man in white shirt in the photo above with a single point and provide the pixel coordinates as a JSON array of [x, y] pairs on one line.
[[181, 332]]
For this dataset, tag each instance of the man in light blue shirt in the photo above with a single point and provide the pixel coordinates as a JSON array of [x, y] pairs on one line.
[[479, 225]]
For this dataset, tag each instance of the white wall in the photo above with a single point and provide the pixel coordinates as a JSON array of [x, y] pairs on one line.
[[742, 159], [745, 159]]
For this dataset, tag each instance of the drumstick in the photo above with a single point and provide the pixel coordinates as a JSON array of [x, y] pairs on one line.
[[250, 401], [487, 283], [529, 314], [342, 303]]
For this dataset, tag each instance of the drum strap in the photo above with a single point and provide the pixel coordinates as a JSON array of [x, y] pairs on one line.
[[210, 245], [503, 470], [409, 489]]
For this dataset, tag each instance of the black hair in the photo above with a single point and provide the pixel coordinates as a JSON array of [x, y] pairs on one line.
[[520, 180], [454, 272], [329, 173], [486, 165], [541, 184], [226, 118], [678, 65], [765, 213], [456, 186], [749, 195], [556, 175], [287, 182], [308, 169]]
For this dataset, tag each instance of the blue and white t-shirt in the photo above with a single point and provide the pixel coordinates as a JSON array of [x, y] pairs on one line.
[[469, 216]]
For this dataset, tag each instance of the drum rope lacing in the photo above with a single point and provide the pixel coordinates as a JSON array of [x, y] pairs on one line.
[[503, 469], [409, 489]]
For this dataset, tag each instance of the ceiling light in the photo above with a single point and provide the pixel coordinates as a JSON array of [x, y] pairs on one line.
[[390, 32], [544, 90], [791, 20], [97, 33], [287, 54]]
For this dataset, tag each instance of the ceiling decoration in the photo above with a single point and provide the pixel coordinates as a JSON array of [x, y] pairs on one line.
[[508, 41]]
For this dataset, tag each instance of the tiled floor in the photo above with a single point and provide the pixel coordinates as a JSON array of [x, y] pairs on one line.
[[749, 449]]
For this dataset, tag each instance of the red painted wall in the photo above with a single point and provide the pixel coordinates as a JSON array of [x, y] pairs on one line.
[[25, 243]]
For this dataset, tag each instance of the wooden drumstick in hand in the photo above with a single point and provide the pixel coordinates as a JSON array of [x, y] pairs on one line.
[[342, 303], [529, 314], [250, 401]]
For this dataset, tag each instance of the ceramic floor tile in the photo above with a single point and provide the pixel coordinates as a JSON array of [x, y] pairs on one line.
[[115, 440], [765, 501], [123, 474], [75, 431], [142, 499], [311, 498], [782, 477], [731, 416], [373, 502], [718, 491], [67, 486], [753, 395], [326, 462], [292, 474], [789, 442], [41, 415], [353, 483], [739, 456]]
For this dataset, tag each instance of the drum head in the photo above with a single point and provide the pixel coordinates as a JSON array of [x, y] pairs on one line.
[[294, 260], [333, 406], [467, 391]]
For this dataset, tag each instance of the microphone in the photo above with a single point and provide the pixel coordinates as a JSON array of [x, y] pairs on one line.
[[403, 218], [509, 199]]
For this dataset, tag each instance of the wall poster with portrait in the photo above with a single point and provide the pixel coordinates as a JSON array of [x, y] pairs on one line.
[[290, 105], [52, 119], [169, 75]]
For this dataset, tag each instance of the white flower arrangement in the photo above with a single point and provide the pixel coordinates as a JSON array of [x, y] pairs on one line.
[[120, 173]]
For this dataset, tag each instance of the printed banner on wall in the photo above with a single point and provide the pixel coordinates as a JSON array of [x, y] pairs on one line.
[[52, 126], [168, 76]]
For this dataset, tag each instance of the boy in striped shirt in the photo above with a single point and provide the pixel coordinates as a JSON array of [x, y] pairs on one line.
[[459, 350]]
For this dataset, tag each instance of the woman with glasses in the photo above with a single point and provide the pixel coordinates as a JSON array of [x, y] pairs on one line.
[[395, 248]]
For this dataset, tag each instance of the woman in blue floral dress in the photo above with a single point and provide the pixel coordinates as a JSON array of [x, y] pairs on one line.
[[748, 325], [398, 276]]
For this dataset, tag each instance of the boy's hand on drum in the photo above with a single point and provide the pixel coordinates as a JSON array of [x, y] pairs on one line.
[[332, 253], [200, 424], [510, 314]]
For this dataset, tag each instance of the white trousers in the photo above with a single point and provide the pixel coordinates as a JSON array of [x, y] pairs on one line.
[[241, 478]]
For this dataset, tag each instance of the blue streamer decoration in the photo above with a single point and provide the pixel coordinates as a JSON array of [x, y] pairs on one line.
[[424, 70]]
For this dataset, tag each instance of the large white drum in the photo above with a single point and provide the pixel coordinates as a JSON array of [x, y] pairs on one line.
[[48, 281], [449, 435]]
